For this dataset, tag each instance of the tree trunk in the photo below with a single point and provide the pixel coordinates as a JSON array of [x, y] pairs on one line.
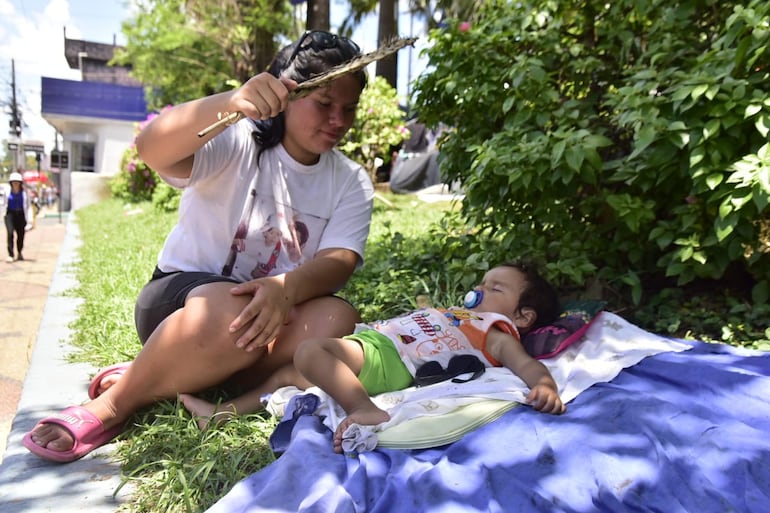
[[318, 15], [264, 50], [388, 29]]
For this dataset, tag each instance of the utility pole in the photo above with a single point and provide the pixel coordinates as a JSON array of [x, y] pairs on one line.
[[15, 123]]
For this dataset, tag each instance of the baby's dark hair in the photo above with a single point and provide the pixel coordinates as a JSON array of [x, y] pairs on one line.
[[538, 295], [300, 65]]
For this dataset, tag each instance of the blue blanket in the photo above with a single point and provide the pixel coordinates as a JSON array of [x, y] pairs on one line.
[[678, 432]]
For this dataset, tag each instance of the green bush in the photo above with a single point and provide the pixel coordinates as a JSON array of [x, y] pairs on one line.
[[135, 181], [378, 127], [166, 198], [621, 142]]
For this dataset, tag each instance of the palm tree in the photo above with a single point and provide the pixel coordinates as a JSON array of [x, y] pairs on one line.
[[387, 29], [317, 15]]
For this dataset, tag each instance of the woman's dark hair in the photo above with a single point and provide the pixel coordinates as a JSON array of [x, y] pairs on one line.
[[301, 64], [538, 295]]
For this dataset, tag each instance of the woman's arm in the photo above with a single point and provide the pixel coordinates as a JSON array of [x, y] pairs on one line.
[[274, 296], [168, 143]]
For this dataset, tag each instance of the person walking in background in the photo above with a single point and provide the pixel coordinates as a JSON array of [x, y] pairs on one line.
[[16, 207], [203, 320]]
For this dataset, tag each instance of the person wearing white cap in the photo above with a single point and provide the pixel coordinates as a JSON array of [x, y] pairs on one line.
[[15, 217]]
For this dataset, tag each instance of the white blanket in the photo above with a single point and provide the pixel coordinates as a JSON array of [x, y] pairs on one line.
[[441, 413]]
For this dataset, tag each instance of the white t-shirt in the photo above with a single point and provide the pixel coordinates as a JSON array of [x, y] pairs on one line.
[[246, 221]]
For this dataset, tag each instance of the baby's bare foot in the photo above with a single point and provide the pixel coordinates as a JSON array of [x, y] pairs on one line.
[[370, 416], [206, 413]]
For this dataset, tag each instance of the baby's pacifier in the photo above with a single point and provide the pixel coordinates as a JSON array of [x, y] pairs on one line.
[[473, 298]]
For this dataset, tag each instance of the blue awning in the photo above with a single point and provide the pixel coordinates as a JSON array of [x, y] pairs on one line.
[[93, 99]]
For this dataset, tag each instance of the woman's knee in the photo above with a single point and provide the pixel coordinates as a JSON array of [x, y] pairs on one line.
[[320, 318], [203, 320], [209, 320]]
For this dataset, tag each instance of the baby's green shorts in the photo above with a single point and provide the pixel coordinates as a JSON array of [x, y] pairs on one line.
[[383, 370]]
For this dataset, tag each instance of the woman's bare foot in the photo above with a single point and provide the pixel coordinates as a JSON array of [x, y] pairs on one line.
[[106, 382], [368, 416], [57, 438], [205, 412], [53, 437]]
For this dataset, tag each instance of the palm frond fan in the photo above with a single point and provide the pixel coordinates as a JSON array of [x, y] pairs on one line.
[[308, 86]]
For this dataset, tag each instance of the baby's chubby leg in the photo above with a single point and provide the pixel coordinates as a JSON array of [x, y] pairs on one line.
[[333, 364]]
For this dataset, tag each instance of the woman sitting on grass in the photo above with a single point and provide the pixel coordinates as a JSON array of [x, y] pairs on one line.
[[225, 305]]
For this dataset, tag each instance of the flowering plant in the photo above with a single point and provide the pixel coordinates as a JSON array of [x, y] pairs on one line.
[[379, 127]]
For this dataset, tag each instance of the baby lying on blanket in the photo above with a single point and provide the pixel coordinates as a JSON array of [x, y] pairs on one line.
[[510, 300]]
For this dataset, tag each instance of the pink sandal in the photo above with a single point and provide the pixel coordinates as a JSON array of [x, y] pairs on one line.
[[117, 369], [87, 430]]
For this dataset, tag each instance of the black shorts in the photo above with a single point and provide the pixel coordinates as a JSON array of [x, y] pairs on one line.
[[166, 293]]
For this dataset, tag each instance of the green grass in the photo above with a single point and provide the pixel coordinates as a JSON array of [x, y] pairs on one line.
[[167, 460], [170, 463], [118, 255]]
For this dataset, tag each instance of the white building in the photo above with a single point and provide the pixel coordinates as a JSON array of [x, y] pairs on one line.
[[95, 117]]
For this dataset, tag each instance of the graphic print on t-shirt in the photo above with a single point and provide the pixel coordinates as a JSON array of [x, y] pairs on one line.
[[239, 239], [273, 244], [274, 237], [280, 219]]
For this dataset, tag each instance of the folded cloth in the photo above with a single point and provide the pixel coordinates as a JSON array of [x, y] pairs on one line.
[[276, 403], [298, 405], [357, 438]]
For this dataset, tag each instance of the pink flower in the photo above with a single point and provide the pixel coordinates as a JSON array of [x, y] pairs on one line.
[[464, 26]]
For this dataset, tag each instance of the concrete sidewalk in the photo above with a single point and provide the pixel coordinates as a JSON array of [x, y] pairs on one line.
[[35, 331]]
